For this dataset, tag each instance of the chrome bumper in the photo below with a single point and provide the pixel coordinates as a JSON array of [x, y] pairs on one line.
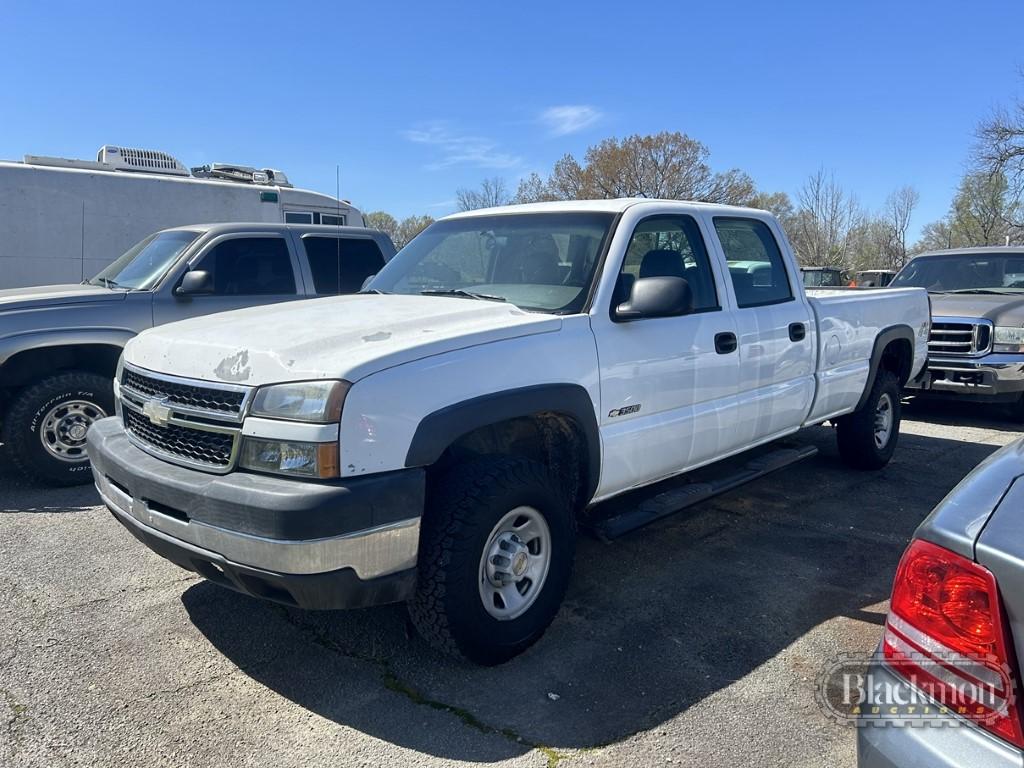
[[991, 375]]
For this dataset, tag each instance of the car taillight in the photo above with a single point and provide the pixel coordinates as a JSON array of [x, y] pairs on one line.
[[945, 633]]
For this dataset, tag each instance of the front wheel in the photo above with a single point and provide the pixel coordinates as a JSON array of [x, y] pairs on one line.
[[867, 437], [45, 427], [496, 555]]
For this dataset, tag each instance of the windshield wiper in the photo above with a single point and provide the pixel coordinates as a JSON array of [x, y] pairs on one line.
[[995, 291], [461, 292], [106, 282]]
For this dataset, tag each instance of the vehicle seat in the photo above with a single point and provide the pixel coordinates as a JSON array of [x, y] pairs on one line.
[[743, 284], [539, 263], [662, 263]]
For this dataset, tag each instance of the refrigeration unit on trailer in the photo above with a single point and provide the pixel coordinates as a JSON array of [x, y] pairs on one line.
[[63, 220]]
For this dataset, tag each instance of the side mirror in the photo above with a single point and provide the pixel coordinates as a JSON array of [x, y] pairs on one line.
[[656, 297], [195, 283], [367, 281]]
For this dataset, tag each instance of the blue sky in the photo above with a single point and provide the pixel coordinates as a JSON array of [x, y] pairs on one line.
[[416, 100]]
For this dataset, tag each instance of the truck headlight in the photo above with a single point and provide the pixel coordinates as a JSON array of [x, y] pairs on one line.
[[1008, 339], [286, 457], [315, 401]]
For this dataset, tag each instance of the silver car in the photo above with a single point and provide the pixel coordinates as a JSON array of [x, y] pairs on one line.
[[945, 679]]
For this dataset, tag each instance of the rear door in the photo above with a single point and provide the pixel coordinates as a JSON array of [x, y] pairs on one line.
[[667, 392], [774, 326], [247, 270]]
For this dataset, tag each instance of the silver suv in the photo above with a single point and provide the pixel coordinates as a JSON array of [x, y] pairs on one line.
[[59, 344]]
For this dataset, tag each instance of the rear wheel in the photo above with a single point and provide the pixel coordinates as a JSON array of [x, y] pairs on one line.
[[867, 438], [45, 427], [496, 554]]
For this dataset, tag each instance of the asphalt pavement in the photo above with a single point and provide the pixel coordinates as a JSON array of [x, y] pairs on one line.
[[695, 641]]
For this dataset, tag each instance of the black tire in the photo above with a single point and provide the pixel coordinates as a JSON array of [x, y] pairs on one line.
[[24, 424], [856, 432], [463, 510]]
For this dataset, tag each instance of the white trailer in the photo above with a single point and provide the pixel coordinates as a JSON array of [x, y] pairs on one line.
[[63, 220]]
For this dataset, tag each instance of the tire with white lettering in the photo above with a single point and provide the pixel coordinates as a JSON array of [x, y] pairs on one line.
[[44, 429], [867, 437], [496, 554]]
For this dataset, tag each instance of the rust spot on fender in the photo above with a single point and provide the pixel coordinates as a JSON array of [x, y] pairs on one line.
[[234, 368]]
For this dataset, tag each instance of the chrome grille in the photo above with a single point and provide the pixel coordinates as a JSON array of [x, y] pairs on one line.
[[959, 337], [215, 449], [184, 421], [189, 395]]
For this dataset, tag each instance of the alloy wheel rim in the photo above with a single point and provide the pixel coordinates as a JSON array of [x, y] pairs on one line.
[[883, 421], [514, 564], [64, 427]]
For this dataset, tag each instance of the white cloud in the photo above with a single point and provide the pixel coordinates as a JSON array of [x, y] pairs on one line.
[[569, 118], [460, 149]]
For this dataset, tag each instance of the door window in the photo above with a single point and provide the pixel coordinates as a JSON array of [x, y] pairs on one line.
[[669, 246], [756, 265], [340, 264], [250, 266]]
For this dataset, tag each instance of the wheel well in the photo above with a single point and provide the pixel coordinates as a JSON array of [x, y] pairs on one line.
[[31, 365], [898, 357], [553, 439]]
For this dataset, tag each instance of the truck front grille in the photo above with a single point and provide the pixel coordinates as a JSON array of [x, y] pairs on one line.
[[959, 338], [184, 421], [188, 395], [213, 449]]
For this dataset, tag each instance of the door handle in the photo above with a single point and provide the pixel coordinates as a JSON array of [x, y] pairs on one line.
[[797, 331], [725, 343]]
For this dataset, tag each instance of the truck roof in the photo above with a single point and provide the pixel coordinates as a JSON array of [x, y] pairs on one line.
[[222, 228], [616, 205], [993, 250]]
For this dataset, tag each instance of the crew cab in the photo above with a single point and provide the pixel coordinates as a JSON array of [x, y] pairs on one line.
[[439, 438], [59, 344], [976, 349]]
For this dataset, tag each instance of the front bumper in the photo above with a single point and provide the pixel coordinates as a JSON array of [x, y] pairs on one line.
[[315, 545], [947, 742], [993, 376]]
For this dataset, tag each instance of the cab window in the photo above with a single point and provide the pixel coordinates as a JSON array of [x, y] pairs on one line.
[[250, 266], [756, 266], [341, 264], [669, 246]]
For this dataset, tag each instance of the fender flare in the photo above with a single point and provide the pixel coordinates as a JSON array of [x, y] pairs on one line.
[[884, 338], [24, 342], [440, 429]]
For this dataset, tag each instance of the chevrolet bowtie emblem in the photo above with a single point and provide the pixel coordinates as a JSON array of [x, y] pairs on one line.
[[156, 412]]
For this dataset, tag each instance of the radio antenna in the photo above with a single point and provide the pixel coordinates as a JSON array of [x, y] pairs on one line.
[[337, 199]]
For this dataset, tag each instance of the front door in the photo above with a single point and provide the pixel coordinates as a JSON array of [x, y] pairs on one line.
[[667, 392]]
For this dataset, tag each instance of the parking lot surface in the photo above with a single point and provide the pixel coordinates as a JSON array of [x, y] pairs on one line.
[[694, 641]]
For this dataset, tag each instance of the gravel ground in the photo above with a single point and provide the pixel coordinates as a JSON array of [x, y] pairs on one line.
[[694, 641]]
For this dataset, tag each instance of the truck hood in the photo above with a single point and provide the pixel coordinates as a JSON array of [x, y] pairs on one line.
[[344, 337], [1001, 310], [53, 295]]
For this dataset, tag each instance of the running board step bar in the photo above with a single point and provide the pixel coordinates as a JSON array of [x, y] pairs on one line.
[[668, 502]]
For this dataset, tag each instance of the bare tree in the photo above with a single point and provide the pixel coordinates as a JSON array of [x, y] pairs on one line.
[[899, 208], [826, 222], [492, 192], [409, 227], [999, 152]]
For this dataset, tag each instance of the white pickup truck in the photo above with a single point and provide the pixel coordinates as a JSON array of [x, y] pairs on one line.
[[439, 437]]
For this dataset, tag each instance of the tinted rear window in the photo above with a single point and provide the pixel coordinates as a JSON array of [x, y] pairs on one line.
[[341, 265]]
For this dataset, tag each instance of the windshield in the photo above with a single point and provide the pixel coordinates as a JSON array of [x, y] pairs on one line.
[[142, 265], [537, 261], [964, 274], [822, 278]]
